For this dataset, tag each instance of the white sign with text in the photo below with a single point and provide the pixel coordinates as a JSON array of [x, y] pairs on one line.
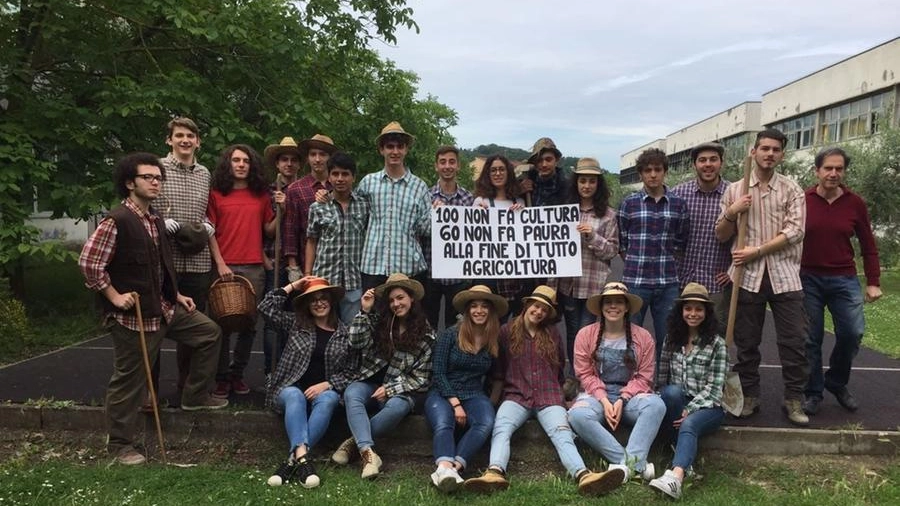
[[493, 243]]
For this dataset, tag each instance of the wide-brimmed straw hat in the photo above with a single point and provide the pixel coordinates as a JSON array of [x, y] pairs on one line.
[[481, 292], [273, 151], [546, 295], [313, 285], [394, 127], [588, 167], [317, 141], [398, 280], [541, 145], [695, 292], [595, 303]]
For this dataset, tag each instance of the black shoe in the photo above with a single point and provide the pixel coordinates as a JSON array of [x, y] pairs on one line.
[[845, 398], [284, 473], [811, 405], [306, 474]]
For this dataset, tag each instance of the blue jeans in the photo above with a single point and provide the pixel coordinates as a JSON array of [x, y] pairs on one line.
[[479, 422], [644, 412], [699, 423], [577, 317], [511, 416], [843, 297], [302, 429], [357, 398], [660, 298], [350, 305]]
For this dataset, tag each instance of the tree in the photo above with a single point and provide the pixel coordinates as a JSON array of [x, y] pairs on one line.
[[84, 82]]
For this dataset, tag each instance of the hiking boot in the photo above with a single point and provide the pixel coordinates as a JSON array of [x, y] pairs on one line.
[[210, 403], [491, 481], [239, 387], [446, 479], [668, 484], [794, 410], [345, 452], [844, 398], [223, 388], [590, 483], [811, 405], [130, 457], [751, 407], [371, 464], [306, 473]]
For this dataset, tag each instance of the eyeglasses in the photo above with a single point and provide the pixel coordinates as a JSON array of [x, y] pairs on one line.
[[320, 300], [498, 170], [151, 178]]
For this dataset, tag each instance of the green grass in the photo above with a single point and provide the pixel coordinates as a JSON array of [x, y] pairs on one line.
[[728, 480], [882, 317]]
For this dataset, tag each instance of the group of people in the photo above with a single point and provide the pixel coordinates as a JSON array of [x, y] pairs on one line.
[[354, 316]]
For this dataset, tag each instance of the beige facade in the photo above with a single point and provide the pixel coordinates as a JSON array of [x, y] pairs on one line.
[[627, 170]]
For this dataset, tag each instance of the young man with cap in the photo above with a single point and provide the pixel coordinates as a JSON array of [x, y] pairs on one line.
[[545, 180], [705, 259], [448, 192], [299, 196], [771, 260], [127, 261], [284, 157], [834, 214], [334, 239], [400, 206], [182, 202], [653, 231]]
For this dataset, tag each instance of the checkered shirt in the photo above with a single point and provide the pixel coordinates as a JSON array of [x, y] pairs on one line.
[[596, 254], [457, 373], [651, 234], [340, 238], [528, 379], [407, 371], [99, 251], [184, 198], [341, 361], [701, 373], [298, 197], [461, 197], [704, 256], [400, 214]]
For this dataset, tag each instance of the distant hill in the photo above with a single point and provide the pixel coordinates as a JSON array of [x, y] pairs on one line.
[[515, 154]]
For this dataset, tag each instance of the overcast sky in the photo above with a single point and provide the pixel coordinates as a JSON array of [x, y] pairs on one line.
[[602, 77]]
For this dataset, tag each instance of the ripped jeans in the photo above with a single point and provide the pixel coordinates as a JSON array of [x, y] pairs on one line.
[[511, 416]]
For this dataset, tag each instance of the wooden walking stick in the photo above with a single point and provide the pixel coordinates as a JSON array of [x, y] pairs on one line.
[[277, 283], [741, 241], [146, 356]]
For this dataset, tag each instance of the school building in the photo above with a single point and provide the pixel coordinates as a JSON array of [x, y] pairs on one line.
[[843, 102]]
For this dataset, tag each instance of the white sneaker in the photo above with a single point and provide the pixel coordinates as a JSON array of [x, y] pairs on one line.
[[446, 479], [624, 469], [667, 484], [649, 472]]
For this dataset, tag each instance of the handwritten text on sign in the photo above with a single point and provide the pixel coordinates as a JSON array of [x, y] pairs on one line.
[[492, 243]]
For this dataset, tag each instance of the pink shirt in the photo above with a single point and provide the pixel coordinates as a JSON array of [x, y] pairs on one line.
[[641, 381]]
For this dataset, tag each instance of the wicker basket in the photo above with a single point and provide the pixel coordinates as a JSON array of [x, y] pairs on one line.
[[232, 304]]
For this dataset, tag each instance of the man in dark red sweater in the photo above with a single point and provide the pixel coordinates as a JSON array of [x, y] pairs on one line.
[[834, 214]]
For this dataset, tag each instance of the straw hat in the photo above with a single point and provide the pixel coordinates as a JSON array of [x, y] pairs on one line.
[[317, 285], [695, 292], [273, 151], [317, 141], [595, 303], [541, 145], [481, 292], [396, 280], [394, 127], [588, 167], [545, 295]]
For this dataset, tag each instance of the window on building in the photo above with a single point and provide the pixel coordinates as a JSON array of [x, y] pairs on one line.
[[852, 120], [800, 131]]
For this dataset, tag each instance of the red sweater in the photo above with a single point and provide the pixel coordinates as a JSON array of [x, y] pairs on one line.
[[826, 246]]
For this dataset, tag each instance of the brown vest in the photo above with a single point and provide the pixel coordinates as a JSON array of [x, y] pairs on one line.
[[136, 262]]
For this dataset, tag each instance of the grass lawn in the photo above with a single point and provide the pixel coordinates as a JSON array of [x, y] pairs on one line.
[[882, 317]]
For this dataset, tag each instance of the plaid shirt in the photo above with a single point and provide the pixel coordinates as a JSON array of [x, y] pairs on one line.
[[340, 240], [528, 379], [651, 234], [461, 197], [701, 373], [298, 197], [341, 361], [457, 373], [407, 371], [704, 256], [184, 198], [99, 251], [400, 214], [596, 253]]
